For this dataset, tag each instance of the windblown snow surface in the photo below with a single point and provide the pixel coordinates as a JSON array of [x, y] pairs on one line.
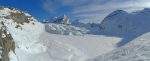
[[137, 50]]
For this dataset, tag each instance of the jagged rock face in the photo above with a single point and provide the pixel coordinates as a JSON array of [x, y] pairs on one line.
[[6, 43], [18, 16]]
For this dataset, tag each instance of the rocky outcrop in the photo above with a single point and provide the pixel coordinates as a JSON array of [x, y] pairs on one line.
[[6, 43]]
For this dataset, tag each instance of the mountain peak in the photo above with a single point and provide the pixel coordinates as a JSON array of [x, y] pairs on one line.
[[61, 20]]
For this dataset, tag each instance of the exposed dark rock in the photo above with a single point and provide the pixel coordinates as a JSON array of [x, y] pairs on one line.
[[17, 26], [1, 7], [6, 43], [20, 18]]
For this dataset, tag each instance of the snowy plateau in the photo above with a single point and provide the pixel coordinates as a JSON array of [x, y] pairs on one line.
[[121, 36]]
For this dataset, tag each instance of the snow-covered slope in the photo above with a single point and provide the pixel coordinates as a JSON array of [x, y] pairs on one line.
[[23, 29], [133, 27], [137, 50]]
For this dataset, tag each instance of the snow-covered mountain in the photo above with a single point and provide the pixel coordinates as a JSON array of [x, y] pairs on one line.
[[120, 22], [61, 20], [133, 27], [126, 25], [64, 26]]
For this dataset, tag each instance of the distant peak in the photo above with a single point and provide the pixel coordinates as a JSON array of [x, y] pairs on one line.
[[61, 20]]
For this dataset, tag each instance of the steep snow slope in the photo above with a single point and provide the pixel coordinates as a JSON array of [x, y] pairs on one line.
[[25, 36], [137, 50]]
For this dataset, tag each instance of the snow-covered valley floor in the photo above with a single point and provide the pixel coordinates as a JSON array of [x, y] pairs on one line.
[[89, 45]]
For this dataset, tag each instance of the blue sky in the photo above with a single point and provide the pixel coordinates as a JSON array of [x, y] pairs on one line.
[[34, 7], [89, 10]]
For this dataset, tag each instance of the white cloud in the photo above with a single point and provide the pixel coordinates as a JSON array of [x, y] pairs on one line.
[[104, 9], [50, 6], [98, 9]]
